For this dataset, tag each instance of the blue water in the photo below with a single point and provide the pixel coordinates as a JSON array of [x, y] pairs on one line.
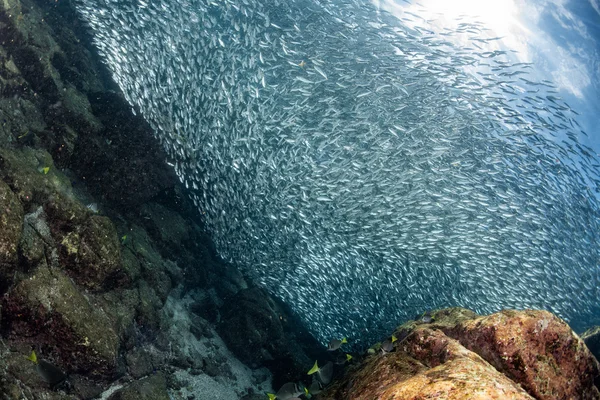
[[366, 167]]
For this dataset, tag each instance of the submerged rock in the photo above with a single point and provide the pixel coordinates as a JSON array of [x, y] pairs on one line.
[[48, 311], [165, 224], [506, 355], [430, 365], [262, 332], [92, 253], [32, 175], [151, 388], [36, 240], [591, 338], [11, 226], [87, 299], [534, 348], [251, 328]]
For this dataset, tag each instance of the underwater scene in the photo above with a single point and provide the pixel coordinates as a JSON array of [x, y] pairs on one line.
[[299, 199]]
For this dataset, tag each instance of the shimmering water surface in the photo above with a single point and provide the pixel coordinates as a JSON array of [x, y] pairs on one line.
[[361, 166]]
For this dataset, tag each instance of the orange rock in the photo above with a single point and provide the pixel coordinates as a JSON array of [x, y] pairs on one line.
[[426, 365], [507, 355], [534, 348]]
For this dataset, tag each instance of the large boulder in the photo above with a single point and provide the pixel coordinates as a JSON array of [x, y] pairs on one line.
[[455, 354], [427, 364], [534, 348]]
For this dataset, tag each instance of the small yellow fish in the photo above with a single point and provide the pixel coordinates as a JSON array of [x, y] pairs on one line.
[[48, 371], [271, 396], [123, 238], [388, 344], [302, 64], [314, 369], [33, 357]]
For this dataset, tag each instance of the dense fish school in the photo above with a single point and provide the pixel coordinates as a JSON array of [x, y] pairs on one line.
[[361, 167]]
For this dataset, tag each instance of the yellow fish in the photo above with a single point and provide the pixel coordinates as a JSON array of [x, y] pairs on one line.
[[49, 372], [33, 357], [314, 369]]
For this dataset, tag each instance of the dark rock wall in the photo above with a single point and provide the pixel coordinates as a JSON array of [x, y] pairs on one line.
[[95, 230]]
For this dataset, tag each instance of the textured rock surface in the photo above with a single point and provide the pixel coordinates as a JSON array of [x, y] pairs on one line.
[[94, 233], [11, 226], [591, 338], [535, 349], [21, 169], [458, 355], [48, 312], [92, 253], [261, 332], [151, 388], [429, 365]]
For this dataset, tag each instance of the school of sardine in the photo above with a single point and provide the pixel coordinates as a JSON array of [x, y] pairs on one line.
[[363, 168]]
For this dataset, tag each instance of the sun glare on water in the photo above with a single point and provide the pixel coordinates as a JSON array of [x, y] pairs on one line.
[[500, 18], [495, 15]]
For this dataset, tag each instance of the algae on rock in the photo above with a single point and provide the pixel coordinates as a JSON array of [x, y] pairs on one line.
[[48, 311]]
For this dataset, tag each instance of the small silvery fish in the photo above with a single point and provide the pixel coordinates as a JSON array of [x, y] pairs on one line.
[[380, 167]]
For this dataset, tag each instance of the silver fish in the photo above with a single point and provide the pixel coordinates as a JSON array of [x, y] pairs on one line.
[[376, 168]]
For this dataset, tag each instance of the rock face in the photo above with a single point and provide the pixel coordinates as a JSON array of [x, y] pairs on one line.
[[591, 337], [92, 252], [48, 312], [506, 355], [54, 93], [535, 349], [11, 225], [261, 332], [95, 233], [151, 388]]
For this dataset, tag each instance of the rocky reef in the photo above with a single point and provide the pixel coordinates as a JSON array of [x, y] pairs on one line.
[[105, 270], [456, 354], [107, 274]]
